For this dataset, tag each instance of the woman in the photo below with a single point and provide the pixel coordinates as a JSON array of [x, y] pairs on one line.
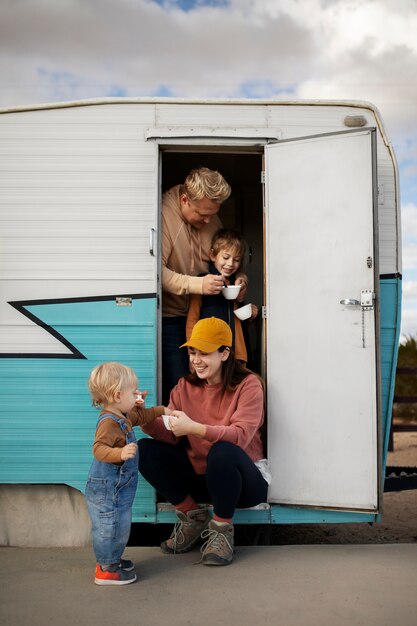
[[213, 452]]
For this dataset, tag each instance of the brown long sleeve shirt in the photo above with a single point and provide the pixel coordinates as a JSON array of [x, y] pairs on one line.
[[110, 439]]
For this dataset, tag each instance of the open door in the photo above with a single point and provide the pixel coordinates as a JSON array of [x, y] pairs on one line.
[[322, 300]]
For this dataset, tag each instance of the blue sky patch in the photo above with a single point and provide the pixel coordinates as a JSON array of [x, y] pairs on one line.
[[163, 91], [264, 89], [116, 91], [190, 5]]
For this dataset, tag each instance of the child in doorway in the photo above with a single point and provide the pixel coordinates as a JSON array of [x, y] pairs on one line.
[[113, 475], [227, 251]]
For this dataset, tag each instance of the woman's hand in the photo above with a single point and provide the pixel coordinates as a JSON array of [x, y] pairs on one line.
[[129, 451], [184, 425]]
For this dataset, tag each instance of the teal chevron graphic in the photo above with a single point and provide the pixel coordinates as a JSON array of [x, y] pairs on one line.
[[46, 410]]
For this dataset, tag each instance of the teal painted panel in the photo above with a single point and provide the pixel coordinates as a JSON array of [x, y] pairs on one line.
[[390, 322], [285, 515], [45, 404]]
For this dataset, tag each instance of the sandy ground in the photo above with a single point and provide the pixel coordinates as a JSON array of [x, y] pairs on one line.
[[405, 450], [399, 518]]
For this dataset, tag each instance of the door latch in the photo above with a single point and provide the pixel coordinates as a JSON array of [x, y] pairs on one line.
[[366, 302], [367, 299]]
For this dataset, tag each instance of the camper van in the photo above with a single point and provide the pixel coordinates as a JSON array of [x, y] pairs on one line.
[[315, 195]]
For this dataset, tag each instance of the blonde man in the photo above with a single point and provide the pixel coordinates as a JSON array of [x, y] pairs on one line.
[[189, 221]]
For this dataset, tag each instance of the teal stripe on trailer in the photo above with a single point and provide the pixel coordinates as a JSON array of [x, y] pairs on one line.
[[390, 313], [46, 407]]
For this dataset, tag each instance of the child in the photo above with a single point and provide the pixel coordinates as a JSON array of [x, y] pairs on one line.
[[226, 254], [113, 476]]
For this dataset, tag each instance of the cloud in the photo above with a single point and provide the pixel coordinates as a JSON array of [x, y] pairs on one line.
[[409, 257], [410, 290], [285, 49], [316, 49], [409, 237], [409, 308], [209, 51]]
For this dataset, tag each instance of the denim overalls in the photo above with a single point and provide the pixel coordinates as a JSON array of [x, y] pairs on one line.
[[110, 492]]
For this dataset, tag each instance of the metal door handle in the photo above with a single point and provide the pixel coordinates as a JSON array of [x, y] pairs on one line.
[[152, 235], [350, 302]]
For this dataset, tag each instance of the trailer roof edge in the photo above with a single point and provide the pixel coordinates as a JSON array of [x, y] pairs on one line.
[[167, 100]]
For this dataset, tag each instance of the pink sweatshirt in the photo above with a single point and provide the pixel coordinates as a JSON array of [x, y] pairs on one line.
[[229, 416]]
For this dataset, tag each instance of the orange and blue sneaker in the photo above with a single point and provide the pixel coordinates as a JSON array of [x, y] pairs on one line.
[[113, 575]]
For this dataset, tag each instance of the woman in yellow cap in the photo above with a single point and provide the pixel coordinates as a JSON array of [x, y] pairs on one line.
[[216, 412]]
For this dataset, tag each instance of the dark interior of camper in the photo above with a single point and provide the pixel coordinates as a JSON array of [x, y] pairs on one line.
[[242, 212]]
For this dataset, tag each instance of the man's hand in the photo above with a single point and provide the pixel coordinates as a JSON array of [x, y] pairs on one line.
[[212, 284]]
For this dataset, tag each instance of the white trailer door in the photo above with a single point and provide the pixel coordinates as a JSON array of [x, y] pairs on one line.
[[321, 354]]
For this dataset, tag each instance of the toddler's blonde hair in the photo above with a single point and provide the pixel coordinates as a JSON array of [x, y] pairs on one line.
[[205, 183], [108, 378]]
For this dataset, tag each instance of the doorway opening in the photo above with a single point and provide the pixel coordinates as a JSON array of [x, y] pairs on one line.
[[243, 212]]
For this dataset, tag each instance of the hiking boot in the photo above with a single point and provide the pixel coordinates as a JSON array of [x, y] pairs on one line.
[[113, 575], [219, 546], [127, 565], [186, 532]]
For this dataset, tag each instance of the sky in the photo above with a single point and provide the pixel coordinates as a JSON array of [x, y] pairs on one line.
[[57, 50]]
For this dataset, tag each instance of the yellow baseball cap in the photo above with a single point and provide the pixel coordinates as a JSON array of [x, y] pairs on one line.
[[209, 334]]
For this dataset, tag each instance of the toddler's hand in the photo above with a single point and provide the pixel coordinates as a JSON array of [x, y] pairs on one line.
[[129, 451]]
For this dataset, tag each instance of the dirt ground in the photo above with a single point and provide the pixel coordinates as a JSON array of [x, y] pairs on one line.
[[399, 518]]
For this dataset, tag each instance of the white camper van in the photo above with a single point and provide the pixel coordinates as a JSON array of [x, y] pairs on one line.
[[314, 194]]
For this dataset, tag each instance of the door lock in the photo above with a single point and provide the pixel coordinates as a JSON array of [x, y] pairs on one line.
[[366, 301]]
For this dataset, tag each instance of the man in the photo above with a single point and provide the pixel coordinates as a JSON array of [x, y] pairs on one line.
[[189, 221]]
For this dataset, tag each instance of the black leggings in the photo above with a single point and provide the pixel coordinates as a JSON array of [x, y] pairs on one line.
[[231, 479]]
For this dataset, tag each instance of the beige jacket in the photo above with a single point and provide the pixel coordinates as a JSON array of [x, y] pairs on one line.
[[184, 255]]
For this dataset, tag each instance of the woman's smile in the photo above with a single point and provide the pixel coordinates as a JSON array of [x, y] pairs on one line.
[[208, 366]]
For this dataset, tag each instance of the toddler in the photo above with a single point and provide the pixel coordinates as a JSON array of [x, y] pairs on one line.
[[113, 475], [227, 250]]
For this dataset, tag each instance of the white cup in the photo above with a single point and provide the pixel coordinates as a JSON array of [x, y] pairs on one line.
[[166, 420], [231, 292], [244, 312]]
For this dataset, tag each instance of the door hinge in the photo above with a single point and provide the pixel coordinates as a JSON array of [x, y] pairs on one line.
[[263, 178], [264, 312]]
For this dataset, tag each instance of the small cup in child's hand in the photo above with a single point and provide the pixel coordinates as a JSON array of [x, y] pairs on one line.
[[139, 397], [166, 419]]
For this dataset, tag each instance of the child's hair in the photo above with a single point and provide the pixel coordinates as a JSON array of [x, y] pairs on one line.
[[108, 378], [224, 238]]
